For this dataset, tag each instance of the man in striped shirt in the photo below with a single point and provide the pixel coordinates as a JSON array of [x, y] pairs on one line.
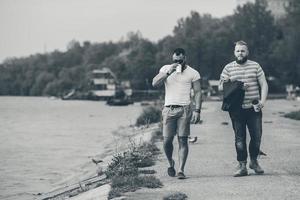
[[256, 88]]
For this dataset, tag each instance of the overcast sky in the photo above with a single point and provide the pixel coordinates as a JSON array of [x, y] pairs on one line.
[[36, 26]]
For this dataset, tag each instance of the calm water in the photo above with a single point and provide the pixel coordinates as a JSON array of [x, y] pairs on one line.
[[46, 143]]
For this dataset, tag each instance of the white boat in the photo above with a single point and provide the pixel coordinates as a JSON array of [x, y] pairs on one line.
[[105, 85]]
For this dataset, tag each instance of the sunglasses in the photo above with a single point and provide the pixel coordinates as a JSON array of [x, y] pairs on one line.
[[178, 54]]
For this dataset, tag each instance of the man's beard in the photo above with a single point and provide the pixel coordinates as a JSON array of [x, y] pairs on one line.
[[241, 61]]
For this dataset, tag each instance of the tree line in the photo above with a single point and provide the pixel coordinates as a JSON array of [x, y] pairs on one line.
[[208, 41]]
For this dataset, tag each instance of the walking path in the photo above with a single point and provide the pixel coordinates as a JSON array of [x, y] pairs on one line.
[[211, 161]]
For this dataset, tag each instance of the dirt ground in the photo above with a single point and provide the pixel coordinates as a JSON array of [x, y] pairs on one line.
[[212, 159]]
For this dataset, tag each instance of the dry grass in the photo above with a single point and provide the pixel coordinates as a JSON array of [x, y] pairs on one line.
[[176, 196], [293, 115], [124, 173]]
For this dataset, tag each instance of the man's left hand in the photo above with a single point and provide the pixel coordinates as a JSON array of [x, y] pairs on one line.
[[195, 117], [261, 104]]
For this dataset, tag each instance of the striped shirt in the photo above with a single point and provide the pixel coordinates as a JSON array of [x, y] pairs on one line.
[[248, 73]]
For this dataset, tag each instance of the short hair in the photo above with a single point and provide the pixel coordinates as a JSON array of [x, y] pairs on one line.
[[179, 51], [241, 42]]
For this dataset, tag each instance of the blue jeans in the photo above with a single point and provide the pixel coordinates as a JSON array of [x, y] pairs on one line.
[[241, 119]]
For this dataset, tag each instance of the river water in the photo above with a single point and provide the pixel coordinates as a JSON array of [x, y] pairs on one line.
[[46, 143]]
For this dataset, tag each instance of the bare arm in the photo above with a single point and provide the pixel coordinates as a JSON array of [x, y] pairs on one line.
[[264, 89], [221, 85], [159, 79], [198, 94], [198, 101]]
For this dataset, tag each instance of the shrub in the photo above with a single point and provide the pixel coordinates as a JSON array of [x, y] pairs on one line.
[[132, 183], [121, 165], [293, 115], [149, 115], [128, 162], [124, 169], [147, 171], [176, 196]]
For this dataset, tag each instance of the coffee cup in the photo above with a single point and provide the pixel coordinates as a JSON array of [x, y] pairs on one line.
[[255, 104], [179, 68]]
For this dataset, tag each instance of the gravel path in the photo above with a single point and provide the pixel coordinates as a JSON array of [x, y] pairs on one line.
[[211, 161]]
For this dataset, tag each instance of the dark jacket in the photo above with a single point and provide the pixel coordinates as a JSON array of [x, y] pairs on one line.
[[233, 95]]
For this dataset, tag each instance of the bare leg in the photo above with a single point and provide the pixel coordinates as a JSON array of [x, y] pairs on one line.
[[183, 152], [168, 148]]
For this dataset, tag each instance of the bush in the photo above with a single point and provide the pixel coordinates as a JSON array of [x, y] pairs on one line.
[[147, 171], [149, 115], [145, 155], [121, 165], [132, 183], [293, 115], [176, 196], [128, 162], [124, 169]]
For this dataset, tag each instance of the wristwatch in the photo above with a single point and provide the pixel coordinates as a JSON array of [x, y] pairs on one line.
[[197, 110]]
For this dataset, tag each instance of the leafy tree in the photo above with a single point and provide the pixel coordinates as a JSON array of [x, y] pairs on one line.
[[286, 50], [255, 24], [40, 82], [208, 42]]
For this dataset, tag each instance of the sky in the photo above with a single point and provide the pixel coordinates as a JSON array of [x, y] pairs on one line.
[[39, 26]]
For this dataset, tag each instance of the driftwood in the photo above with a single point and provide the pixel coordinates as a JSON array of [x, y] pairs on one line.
[[74, 189]]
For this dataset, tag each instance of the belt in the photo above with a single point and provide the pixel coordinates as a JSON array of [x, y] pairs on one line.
[[173, 106]]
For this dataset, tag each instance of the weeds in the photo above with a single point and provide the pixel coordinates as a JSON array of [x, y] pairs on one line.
[[150, 114], [147, 171], [176, 196], [124, 173], [293, 115], [132, 183]]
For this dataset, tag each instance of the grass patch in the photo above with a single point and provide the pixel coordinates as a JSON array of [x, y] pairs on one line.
[[147, 171], [132, 183], [150, 114], [293, 115], [128, 162], [124, 173], [176, 196]]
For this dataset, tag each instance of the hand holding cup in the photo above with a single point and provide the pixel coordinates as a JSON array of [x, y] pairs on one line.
[[257, 105], [224, 78], [179, 68], [172, 68]]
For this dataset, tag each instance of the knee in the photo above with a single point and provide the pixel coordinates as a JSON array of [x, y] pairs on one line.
[[183, 141], [168, 141], [240, 145], [256, 144]]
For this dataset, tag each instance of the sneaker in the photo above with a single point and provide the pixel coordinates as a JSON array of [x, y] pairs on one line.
[[181, 175], [171, 170], [242, 169], [256, 167]]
